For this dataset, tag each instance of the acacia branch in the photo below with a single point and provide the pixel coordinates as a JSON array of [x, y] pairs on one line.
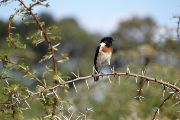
[[41, 27], [44, 34], [173, 87]]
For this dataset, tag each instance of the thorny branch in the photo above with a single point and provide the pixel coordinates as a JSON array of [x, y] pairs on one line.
[[44, 34], [41, 27], [160, 106], [173, 87]]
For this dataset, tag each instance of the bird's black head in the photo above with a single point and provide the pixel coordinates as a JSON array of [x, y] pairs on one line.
[[108, 41]]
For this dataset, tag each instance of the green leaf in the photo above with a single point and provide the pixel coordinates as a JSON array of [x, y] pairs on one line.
[[54, 33], [14, 40], [46, 57], [36, 38]]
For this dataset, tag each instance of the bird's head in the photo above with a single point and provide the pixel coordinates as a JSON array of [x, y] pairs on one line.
[[107, 40]]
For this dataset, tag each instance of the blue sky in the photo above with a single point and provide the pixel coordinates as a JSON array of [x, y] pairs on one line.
[[103, 16]]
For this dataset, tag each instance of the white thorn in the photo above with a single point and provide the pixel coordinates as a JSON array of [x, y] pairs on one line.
[[41, 33], [54, 46], [142, 72], [7, 82], [55, 117], [69, 108], [119, 80], [90, 109], [78, 117], [27, 104], [109, 79], [158, 111], [50, 93], [29, 92], [50, 56], [112, 69], [148, 84], [18, 100], [48, 116], [176, 103], [128, 70], [70, 116], [55, 94], [43, 97], [74, 74], [65, 118], [74, 87], [13, 27], [60, 61], [136, 78], [87, 84], [78, 72], [164, 93]]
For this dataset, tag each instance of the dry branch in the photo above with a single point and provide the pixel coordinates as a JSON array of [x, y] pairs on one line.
[[160, 106], [173, 87]]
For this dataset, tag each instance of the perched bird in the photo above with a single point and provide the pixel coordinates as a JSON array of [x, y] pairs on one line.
[[103, 55]]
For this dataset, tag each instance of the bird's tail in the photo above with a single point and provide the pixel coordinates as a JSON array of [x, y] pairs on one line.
[[96, 72]]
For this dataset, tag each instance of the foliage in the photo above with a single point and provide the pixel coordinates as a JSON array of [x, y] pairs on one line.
[[38, 79]]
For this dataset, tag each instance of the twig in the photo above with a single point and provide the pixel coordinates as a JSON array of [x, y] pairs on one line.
[[52, 50], [11, 41], [26, 71], [142, 81], [161, 105]]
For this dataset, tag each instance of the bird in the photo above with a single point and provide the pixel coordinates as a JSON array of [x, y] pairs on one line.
[[103, 55]]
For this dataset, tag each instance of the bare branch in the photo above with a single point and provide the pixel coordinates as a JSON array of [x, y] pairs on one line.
[[174, 88], [161, 105]]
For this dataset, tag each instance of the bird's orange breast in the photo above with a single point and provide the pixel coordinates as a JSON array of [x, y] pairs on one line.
[[107, 49]]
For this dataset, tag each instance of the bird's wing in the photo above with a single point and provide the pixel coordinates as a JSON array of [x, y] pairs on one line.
[[95, 58]]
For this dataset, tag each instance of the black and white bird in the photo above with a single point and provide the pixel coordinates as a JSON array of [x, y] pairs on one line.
[[103, 55]]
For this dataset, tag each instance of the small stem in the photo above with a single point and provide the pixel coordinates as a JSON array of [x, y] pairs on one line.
[[160, 106]]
